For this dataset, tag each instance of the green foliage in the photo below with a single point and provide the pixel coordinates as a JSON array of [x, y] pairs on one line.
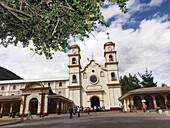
[[49, 23], [147, 79], [129, 83], [168, 104], [132, 82], [164, 85]]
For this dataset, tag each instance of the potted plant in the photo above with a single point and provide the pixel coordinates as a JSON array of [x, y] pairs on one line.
[[58, 111], [10, 114], [168, 105], [0, 115], [17, 114]]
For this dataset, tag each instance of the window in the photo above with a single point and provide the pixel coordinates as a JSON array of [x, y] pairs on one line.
[[84, 75], [14, 86], [60, 93], [93, 79], [93, 71], [2, 88], [101, 74], [49, 85], [113, 75], [74, 79], [12, 94], [74, 61], [110, 58], [60, 84]]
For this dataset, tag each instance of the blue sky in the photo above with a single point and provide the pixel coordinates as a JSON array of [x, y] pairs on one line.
[[142, 39]]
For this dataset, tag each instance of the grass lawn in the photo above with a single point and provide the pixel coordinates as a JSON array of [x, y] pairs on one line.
[[3, 120]]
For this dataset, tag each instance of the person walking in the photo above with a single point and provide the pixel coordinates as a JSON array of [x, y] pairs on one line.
[[70, 110], [88, 110], [29, 114], [13, 114], [78, 111]]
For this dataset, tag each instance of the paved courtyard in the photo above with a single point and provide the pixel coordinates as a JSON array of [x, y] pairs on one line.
[[99, 120]]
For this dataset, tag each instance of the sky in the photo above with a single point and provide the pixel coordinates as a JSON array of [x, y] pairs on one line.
[[141, 37]]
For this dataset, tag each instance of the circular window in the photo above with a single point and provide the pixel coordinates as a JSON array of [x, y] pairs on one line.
[[93, 79]]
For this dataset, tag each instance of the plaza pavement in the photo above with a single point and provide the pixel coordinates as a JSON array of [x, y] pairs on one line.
[[98, 120]]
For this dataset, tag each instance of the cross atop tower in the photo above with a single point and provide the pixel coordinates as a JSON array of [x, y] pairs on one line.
[[108, 35], [92, 55]]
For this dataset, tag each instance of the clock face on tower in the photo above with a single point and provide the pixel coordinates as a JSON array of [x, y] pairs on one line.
[[109, 48], [74, 51]]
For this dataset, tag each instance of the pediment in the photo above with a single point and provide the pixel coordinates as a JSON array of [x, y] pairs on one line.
[[34, 85]]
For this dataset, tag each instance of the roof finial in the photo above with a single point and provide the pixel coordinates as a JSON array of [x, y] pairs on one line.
[[74, 39], [108, 35], [92, 55]]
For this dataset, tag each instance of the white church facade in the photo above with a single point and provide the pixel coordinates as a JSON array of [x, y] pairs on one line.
[[88, 87]]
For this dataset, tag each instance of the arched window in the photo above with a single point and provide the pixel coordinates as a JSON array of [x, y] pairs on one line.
[[2, 88], [73, 60], [12, 94], [84, 75], [74, 79], [60, 93], [101, 74], [110, 58], [113, 75], [14, 86], [60, 84]]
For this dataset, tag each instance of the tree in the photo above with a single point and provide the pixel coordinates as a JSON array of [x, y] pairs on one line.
[[147, 79], [49, 23], [164, 85], [129, 83]]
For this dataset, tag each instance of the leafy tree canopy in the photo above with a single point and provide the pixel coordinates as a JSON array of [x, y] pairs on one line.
[[132, 82], [50, 23]]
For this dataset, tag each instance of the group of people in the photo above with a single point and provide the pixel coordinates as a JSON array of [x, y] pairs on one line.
[[78, 110]]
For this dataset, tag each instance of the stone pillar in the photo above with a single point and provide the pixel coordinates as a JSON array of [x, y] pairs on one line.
[[24, 104], [58, 103], [143, 103], [165, 99], [12, 104], [154, 102], [2, 106], [45, 104], [125, 105]]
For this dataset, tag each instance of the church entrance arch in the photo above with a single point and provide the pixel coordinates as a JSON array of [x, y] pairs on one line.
[[33, 106], [95, 101]]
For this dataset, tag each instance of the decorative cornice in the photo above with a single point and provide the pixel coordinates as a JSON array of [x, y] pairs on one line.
[[90, 64], [75, 87], [74, 55], [109, 44], [29, 89], [108, 52], [74, 47], [107, 63], [77, 65]]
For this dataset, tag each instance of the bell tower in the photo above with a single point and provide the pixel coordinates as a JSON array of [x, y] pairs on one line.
[[111, 64], [74, 74]]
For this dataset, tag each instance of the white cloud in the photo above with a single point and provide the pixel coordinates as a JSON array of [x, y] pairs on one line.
[[156, 2]]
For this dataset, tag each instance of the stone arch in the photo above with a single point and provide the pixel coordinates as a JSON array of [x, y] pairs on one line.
[[168, 97], [6, 109], [52, 106], [160, 101], [149, 102], [16, 107], [137, 102], [33, 106], [95, 101]]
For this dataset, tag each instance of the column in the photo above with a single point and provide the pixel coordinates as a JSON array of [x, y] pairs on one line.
[[124, 104], [154, 102], [45, 104], [165, 99], [11, 107], [143, 103], [2, 106], [127, 105], [24, 105]]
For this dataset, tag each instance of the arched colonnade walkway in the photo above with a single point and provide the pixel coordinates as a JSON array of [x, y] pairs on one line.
[[153, 97]]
